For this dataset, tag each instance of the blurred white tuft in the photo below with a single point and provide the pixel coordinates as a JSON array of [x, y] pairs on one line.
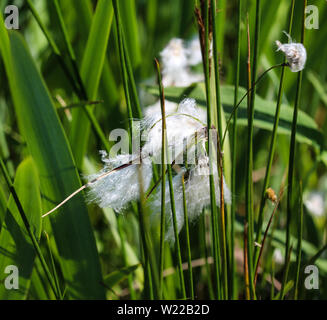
[[315, 203]]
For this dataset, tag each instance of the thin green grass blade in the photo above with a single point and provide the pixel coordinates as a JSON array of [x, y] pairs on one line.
[[234, 152], [288, 288], [291, 163], [283, 290], [123, 65], [177, 244], [163, 179], [249, 152], [299, 246], [38, 289], [189, 256], [210, 121]]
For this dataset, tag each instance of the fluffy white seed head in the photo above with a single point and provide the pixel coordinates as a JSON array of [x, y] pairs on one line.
[[315, 203], [122, 186], [197, 193], [175, 65], [278, 256], [181, 126], [296, 54], [154, 111], [194, 54]]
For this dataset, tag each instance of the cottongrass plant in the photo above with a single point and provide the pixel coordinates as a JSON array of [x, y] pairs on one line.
[[186, 138], [193, 176]]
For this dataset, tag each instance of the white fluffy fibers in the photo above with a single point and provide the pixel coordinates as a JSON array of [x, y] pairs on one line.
[[194, 54], [295, 53], [197, 193], [122, 186], [181, 125], [175, 65]]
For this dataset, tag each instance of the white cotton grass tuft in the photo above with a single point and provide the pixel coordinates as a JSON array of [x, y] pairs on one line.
[[194, 54], [278, 256], [175, 60], [197, 193], [181, 125], [154, 111], [121, 187], [315, 203], [296, 54]]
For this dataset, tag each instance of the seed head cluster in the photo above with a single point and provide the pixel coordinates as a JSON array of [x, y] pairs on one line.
[[186, 137]]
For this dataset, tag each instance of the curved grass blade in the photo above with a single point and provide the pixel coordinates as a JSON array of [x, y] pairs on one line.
[[16, 247], [49, 148]]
